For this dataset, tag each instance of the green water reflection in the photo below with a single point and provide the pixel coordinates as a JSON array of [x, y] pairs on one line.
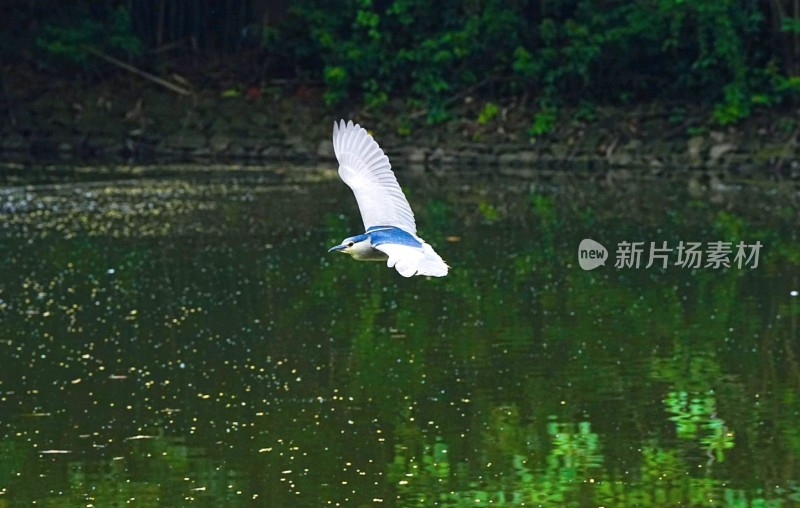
[[188, 340]]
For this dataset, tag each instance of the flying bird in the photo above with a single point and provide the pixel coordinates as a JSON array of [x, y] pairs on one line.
[[390, 231]]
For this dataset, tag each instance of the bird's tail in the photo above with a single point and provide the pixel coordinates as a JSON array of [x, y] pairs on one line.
[[428, 263]]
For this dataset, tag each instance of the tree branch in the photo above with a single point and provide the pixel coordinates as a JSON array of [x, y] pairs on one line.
[[130, 68]]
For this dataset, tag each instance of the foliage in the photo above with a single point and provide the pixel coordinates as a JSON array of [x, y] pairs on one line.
[[544, 121], [336, 83], [488, 211], [488, 113], [732, 56], [565, 52], [419, 49], [69, 41]]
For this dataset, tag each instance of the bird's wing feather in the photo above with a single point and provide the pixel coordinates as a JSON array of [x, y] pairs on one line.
[[366, 169], [410, 261]]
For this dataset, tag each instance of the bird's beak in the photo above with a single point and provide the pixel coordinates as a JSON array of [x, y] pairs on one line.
[[336, 248]]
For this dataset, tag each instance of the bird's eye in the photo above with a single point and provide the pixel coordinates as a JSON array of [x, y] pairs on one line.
[[350, 244]]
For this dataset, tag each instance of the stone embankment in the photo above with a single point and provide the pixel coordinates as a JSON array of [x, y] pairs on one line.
[[150, 125]]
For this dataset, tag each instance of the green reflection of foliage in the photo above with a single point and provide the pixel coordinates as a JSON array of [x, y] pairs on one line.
[[692, 400], [576, 449], [154, 472], [421, 481], [488, 211], [736, 498], [439, 215], [695, 416], [574, 454], [731, 227], [718, 437], [12, 459], [544, 210], [688, 413], [429, 477]]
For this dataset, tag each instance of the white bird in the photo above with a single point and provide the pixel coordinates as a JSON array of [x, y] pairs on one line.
[[390, 231]]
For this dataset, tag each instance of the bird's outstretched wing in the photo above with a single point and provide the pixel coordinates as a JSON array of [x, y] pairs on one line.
[[366, 169], [410, 261]]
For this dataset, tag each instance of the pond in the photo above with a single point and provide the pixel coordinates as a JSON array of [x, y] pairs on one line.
[[180, 335]]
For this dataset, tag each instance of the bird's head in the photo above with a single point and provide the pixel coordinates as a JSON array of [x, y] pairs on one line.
[[353, 245], [344, 247], [349, 245]]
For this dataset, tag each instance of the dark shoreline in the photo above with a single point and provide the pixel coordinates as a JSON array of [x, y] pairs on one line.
[[126, 119]]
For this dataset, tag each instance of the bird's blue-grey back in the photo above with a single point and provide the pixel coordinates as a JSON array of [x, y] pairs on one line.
[[381, 235]]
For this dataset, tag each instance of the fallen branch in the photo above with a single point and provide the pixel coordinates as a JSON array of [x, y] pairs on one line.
[[130, 68]]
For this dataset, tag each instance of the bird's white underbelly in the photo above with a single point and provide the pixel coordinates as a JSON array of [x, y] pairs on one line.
[[369, 255]]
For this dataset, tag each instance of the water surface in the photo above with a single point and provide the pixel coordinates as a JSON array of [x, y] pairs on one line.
[[173, 336]]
